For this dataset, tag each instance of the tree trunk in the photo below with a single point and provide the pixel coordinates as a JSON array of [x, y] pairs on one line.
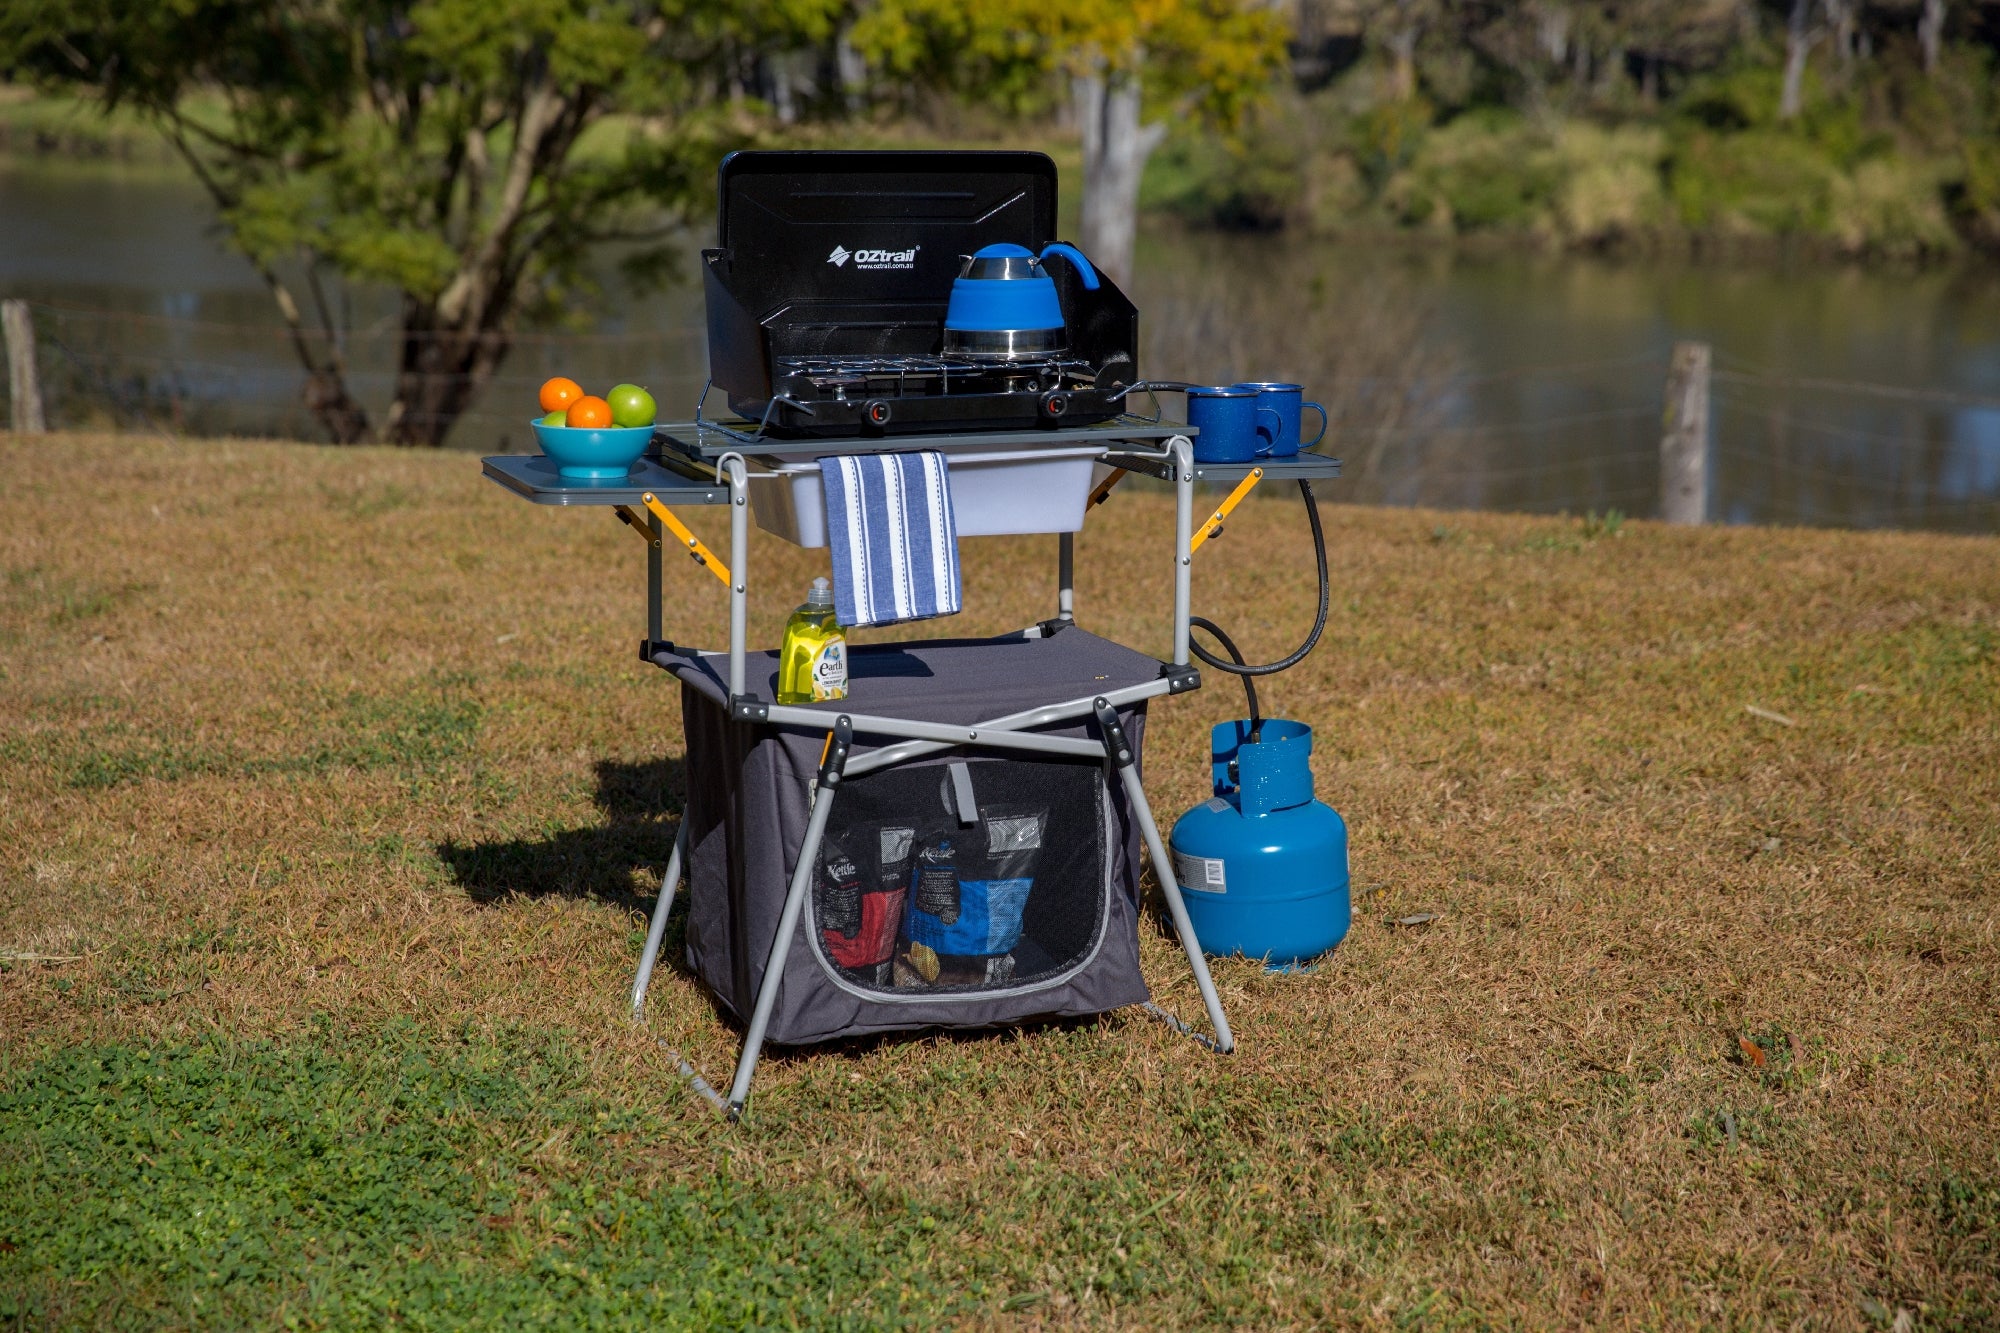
[[1840, 17], [1798, 42], [1930, 33], [441, 370], [1402, 44], [1115, 149], [1552, 34], [326, 395]]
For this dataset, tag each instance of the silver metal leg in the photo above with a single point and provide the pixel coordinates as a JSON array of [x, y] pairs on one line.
[[1163, 870], [655, 582], [781, 944], [1066, 576], [739, 565], [1182, 451], [658, 928]]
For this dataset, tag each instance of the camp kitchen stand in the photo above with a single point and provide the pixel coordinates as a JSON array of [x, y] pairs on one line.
[[932, 696]]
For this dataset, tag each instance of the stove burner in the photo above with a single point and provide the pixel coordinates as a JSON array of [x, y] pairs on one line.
[[913, 376]]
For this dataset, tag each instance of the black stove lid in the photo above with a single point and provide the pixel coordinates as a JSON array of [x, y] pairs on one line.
[[873, 227]]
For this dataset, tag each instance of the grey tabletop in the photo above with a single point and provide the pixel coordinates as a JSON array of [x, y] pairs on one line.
[[707, 440], [535, 477], [1306, 466]]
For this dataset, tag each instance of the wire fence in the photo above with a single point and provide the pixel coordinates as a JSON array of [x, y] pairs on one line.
[[1576, 436]]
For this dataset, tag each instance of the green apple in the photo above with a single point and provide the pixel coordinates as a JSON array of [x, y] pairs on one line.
[[554, 419], [631, 406]]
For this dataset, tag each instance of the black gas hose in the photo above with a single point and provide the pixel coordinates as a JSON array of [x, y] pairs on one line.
[[1248, 673]]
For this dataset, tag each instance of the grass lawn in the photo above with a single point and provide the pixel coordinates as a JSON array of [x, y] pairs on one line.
[[332, 793]]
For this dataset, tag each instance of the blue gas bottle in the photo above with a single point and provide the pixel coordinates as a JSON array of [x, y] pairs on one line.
[[1263, 866]]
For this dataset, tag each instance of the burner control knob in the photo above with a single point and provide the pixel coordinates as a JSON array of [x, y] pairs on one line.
[[876, 412], [1054, 403]]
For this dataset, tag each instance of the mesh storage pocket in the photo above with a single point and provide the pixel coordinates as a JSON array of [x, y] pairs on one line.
[[965, 877]]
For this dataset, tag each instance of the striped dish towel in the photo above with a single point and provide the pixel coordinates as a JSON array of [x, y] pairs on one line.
[[895, 547]]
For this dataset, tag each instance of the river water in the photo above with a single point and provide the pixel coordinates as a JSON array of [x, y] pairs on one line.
[[1844, 396]]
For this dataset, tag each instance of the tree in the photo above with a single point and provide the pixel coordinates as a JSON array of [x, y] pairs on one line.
[[1399, 25], [1800, 35], [1930, 33], [441, 147], [1202, 59]]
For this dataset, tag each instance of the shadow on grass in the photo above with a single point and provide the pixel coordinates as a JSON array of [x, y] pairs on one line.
[[641, 805]]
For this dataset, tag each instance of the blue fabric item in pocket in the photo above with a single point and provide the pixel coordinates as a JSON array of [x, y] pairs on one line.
[[989, 919]]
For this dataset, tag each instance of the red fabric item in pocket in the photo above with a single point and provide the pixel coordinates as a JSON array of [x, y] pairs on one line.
[[881, 917]]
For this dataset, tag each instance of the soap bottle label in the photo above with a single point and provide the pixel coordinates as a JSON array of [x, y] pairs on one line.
[[829, 671]]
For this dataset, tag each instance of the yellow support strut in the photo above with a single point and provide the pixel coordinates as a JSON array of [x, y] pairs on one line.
[[700, 554], [1213, 527], [1103, 491], [635, 520]]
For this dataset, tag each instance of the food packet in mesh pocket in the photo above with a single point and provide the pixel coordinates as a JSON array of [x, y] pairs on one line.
[[859, 916], [993, 871], [839, 890], [934, 882], [1005, 874]]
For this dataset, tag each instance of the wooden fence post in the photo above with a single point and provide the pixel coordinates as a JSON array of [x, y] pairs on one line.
[[23, 385], [1684, 436]]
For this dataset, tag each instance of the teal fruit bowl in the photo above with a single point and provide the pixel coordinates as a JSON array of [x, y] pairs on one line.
[[593, 455]]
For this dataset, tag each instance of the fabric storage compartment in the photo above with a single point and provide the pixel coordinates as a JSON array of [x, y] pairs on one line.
[[963, 876], [994, 493], [1030, 906]]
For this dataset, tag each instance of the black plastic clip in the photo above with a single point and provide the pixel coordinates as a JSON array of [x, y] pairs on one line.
[[1115, 743], [748, 708], [1051, 628], [650, 649], [1180, 677], [833, 759]]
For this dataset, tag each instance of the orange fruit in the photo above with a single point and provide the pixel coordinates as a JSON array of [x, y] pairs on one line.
[[559, 393], [590, 413]]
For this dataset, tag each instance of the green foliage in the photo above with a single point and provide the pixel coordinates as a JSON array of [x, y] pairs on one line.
[[1974, 197], [360, 1180], [1612, 190], [1759, 181], [1387, 137], [433, 146], [1492, 171], [1213, 60], [1611, 523], [1645, 125], [1249, 182]]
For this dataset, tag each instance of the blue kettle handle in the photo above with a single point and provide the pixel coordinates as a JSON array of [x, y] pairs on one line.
[[1074, 256]]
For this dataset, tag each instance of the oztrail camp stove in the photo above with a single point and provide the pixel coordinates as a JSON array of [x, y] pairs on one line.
[[815, 838], [829, 286]]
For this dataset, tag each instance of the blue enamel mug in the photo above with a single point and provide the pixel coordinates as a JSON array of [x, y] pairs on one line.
[[1233, 425], [1288, 401]]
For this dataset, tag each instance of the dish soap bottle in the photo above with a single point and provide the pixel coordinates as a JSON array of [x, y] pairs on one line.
[[812, 665]]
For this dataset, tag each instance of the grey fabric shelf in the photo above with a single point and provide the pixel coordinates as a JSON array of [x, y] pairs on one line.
[[958, 681]]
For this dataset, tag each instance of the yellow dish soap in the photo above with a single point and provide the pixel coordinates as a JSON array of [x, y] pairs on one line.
[[812, 665]]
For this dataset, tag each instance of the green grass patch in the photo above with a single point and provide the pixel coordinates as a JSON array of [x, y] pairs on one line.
[[419, 732], [358, 1181]]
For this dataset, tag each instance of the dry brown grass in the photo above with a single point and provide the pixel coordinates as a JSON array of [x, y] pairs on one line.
[[267, 708]]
